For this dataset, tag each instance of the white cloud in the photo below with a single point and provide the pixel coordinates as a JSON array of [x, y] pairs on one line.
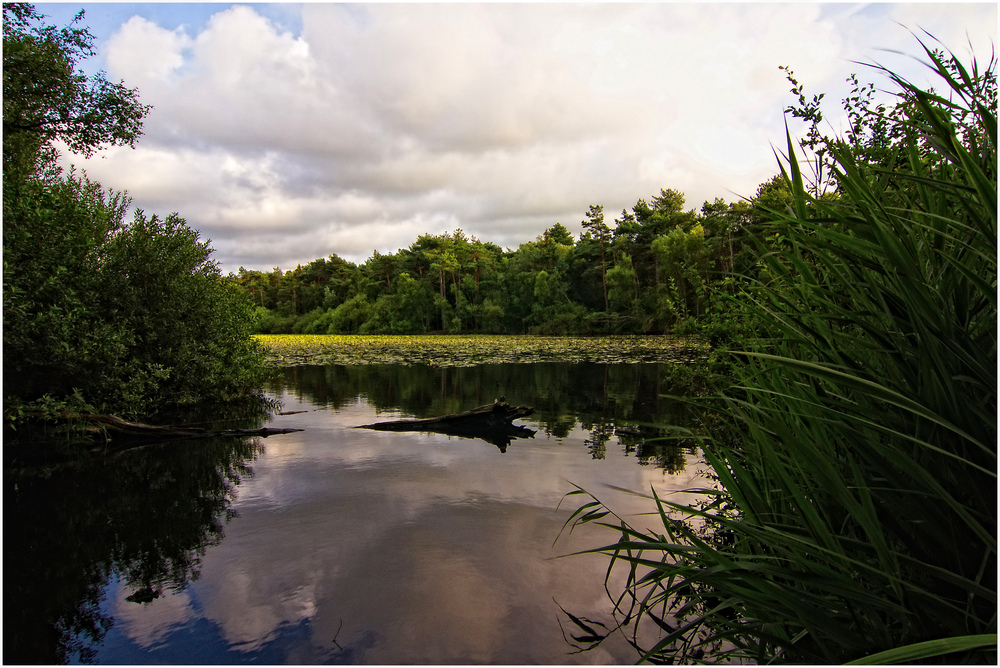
[[500, 119], [145, 55], [149, 624]]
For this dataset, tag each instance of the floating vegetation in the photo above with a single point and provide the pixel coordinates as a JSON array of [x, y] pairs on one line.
[[471, 350]]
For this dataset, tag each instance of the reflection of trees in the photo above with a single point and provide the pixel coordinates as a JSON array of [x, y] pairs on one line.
[[599, 397], [600, 433], [147, 515], [650, 447]]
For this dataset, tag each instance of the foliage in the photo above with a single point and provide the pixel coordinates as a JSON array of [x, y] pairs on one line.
[[180, 316], [653, 273], [128, 317], [133, 317], [855, 518], [53, 233], [46, 98]]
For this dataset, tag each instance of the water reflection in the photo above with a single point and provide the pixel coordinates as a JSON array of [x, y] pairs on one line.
[[610, 401], [146, 515], [342, 545]]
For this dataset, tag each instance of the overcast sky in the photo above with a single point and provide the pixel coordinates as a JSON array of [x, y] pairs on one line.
[[287, 132]]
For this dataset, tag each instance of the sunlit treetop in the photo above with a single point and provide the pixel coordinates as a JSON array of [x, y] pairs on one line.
[[46, 98]]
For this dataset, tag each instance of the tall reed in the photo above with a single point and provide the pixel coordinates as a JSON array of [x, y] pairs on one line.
[[856, 515]]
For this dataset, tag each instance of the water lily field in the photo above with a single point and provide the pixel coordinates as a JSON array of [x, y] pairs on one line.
[[471, 350]]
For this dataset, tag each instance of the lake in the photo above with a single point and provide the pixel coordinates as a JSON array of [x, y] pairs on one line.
[[345, 545]]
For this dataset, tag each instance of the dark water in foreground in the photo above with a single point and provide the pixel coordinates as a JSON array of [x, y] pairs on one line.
[[339, 545]]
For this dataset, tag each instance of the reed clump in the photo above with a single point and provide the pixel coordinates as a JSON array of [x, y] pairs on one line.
[[855, 517]]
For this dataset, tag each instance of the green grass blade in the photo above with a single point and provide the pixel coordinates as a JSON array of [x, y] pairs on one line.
[[928, 649]]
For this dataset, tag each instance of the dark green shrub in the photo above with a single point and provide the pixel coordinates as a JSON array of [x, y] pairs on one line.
[[304, 323], [177, 315], [134, 317], [350, 316]]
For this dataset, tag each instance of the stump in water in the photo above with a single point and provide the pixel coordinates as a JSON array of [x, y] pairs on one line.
[[491, 423]]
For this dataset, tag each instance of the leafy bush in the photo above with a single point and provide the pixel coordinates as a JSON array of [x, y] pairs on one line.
[[349, 316], [134, 317], [131, 318], [305, 324], [52, 236], [178, 315], [271, 322]]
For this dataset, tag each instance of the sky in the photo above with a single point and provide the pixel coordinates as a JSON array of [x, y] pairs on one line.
[[289, 132]]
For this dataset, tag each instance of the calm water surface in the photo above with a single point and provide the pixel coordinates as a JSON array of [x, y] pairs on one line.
[[341, 545]]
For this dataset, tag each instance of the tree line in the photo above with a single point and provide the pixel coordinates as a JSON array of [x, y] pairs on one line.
[[658, 268]]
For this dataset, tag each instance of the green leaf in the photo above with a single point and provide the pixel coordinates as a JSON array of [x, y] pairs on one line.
[[930, 648]]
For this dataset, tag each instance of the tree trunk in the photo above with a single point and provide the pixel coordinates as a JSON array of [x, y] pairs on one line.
[[604, 280]]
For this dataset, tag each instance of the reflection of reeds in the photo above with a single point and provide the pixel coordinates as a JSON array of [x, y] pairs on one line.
[[858, 518]]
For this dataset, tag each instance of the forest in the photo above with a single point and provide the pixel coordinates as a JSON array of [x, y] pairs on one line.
[[659, 268]]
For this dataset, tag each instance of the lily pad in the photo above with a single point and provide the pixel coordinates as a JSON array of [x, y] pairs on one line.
[[472, 350]]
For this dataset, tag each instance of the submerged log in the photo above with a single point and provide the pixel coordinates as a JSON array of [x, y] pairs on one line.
[[55, 437], [491, 423], [100, 424]]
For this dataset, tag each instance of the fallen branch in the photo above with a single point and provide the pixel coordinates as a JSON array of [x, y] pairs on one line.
[[109, 424]]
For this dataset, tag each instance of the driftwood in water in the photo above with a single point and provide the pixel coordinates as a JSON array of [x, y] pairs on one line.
[[492, 423], [97, 423]]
